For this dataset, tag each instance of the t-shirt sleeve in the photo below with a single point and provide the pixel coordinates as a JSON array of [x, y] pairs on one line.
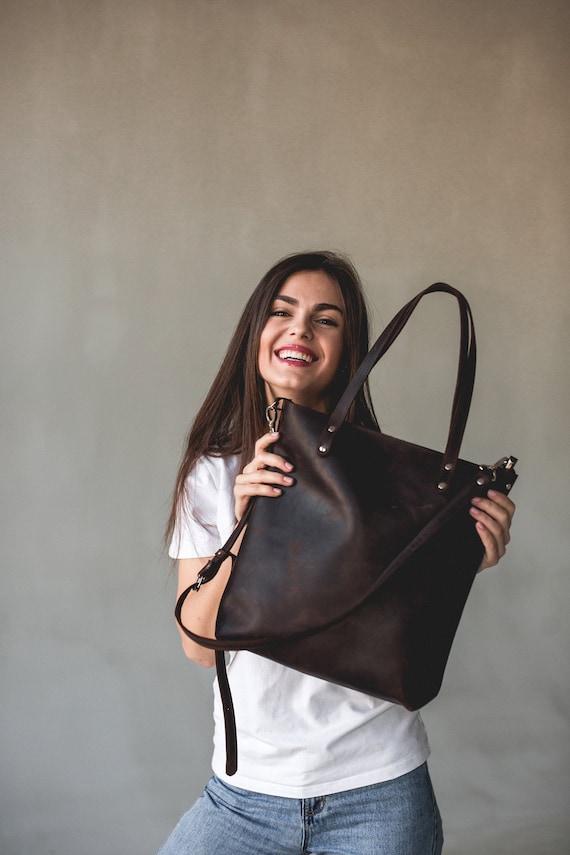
[[206, 517]]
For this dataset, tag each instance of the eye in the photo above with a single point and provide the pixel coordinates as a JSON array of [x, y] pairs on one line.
[[327, 322], [279, 313]]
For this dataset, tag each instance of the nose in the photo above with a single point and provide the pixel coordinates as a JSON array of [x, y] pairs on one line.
[[301, 327]]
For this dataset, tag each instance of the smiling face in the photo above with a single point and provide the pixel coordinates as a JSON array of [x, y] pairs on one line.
[[302, 342]]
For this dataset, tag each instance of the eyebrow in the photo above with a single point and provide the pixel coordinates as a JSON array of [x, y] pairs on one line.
[[320, 307]]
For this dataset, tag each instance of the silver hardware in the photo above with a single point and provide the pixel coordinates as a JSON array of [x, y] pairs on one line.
[[271, 414], [481, 482], [448, 467], [442, 486], [500, 464], [331, 429], [322, 449], [504, 463]]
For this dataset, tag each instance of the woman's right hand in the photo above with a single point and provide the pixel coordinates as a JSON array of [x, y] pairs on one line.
[[256, 479]]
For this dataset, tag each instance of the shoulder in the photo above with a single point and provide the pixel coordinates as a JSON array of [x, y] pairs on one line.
[[212, 473], [206, 514]]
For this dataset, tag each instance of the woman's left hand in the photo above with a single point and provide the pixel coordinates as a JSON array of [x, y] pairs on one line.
[[493, 515]]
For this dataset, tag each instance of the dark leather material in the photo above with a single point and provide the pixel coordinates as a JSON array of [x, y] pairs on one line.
[[360, 571]]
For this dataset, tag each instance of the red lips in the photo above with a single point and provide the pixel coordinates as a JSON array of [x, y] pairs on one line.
[[296, 354]]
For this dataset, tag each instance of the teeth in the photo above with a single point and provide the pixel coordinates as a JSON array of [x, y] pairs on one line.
[[295, 354]]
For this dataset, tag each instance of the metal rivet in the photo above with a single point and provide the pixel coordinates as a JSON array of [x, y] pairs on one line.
[[481, 481], [442, 486], [508, 486], [331, 428], [322, 449], [448, 467]]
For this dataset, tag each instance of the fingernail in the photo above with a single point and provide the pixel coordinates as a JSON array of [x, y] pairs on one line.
[[287, 480], [492, 493], [288, 465], [277, 491], [476, 500]]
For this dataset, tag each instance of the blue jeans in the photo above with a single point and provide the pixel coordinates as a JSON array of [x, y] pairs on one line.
[[398, 817]]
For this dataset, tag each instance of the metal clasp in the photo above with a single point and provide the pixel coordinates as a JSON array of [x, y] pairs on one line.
[[505, 463], [272, 414], [198, 583]]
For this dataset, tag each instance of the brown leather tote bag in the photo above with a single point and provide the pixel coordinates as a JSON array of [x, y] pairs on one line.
[[360, 571]]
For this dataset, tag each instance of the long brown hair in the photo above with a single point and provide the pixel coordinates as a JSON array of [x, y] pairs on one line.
[[232, 416]]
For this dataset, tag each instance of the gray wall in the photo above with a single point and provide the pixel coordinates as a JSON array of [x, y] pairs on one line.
[[157, 158]]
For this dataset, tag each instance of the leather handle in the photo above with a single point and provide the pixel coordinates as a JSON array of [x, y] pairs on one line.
[[463, 386]]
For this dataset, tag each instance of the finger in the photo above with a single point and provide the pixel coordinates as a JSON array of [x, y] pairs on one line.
[[261, 476], [493, 515], [494, 546], [497, 503], [503, 500], [266, 462], [264, 458], [496, 526], [500, 514], [260, 448], [247, 491], [498, 509], [496, 522], [264, 441], [493, 552]]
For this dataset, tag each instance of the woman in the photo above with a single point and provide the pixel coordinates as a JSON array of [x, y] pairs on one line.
[[323, 769]]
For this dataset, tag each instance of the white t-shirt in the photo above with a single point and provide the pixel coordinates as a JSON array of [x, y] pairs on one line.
[[298, 736]]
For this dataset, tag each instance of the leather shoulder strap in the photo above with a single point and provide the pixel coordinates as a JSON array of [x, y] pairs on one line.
[[463, 387]]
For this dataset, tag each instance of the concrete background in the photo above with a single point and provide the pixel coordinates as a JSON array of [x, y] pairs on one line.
[[157, 158]]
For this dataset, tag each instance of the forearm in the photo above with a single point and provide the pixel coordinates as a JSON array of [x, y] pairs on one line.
[[201, 607]]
